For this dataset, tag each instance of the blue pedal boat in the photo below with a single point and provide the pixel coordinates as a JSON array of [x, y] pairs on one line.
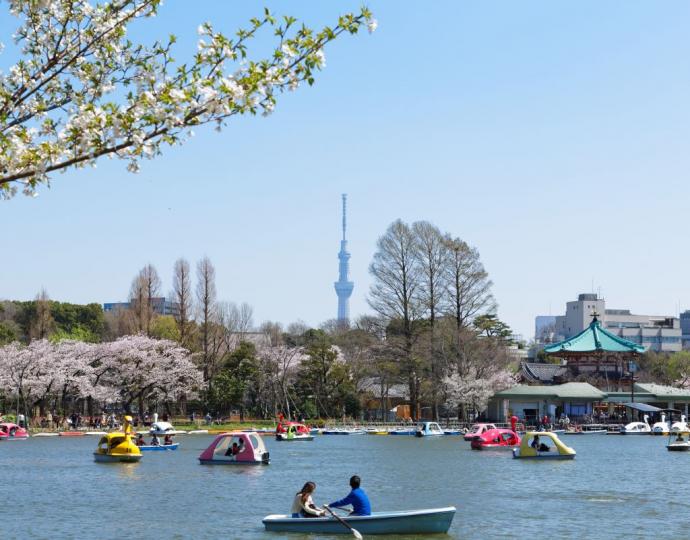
[[159, 448], [428, 429], [427, 521]]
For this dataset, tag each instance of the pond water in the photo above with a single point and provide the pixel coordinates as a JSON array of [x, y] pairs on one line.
[[617, 487]]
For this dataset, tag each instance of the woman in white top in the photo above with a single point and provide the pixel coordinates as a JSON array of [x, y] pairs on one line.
[[303, 506]]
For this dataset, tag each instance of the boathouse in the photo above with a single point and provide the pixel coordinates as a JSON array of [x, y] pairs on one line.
[[579, 399], [575, 399], [656, 395]]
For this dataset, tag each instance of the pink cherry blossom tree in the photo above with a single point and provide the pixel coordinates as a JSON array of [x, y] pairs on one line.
[[474, 389], [131, 368]]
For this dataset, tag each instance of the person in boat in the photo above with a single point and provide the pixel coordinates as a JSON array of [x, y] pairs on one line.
[[356, 498], [680, 437], [167, 439], [155, 441], [535, 442], [140, 440], [303, 506]]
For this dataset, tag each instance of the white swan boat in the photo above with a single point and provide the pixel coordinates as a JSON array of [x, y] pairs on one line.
[[661, 428], [680, 427], [163, 428], [637, 428]]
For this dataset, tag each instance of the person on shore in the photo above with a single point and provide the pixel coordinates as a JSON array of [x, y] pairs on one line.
[[303, 505], [356, 498]]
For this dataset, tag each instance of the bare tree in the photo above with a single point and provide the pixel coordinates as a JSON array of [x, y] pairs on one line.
[[206, 303], [228, 324], [120, 322], [245, 318], [43, 324], [432, 255], [274, 331], [469, 285], [182, 296], [238, 320], [394, 296], [283, 361], [469, 289], [145, 288], [297, 328]]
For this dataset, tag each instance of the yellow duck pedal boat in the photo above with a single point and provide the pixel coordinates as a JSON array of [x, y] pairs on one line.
[[118, 446]]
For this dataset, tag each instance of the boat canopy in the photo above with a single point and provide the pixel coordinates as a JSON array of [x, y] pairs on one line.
[[642, 407]]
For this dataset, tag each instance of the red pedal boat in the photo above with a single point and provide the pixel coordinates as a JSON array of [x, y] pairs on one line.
[[496, 439], [12, 432]]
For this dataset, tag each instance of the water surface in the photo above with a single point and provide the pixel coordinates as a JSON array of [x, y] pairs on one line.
[[617, 487]]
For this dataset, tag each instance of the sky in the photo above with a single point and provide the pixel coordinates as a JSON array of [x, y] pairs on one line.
[[551, 136]]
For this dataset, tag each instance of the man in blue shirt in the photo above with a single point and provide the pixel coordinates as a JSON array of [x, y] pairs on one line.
[[357, 498]]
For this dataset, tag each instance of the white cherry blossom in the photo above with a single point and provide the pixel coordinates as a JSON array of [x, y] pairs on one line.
[[82, 90]]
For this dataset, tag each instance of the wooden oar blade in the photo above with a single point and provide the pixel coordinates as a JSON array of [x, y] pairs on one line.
[[355, 532]]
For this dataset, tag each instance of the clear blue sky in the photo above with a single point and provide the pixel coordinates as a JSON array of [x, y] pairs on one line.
[[551, 136]]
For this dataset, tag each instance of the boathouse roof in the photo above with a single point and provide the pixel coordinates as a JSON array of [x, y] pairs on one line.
[[662, 392], [573, 391], [566, 392], [595, 340]]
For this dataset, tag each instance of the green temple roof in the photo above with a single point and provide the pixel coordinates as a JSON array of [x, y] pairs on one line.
[[594, 339]]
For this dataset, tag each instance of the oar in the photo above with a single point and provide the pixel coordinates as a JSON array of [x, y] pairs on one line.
[[355, 532]]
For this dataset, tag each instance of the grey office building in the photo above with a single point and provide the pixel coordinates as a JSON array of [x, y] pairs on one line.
[[661, 333], [685, 328]]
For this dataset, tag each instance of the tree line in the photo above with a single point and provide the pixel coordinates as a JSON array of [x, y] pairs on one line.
[[434, 330]]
